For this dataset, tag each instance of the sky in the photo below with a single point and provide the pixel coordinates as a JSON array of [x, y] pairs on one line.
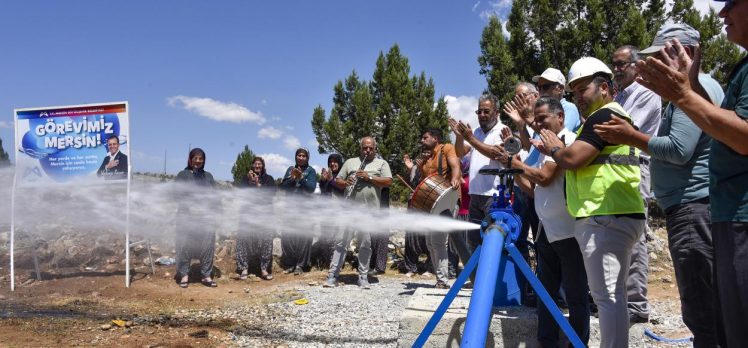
[[222, 75]]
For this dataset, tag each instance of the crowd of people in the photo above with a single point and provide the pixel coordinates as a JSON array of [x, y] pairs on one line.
[[646, 127]]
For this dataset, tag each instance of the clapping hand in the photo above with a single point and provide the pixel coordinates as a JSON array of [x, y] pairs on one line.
[[460, 128], [519, 109], [615, 131], [673, 75], [506, 133], [325, 175], [407, 161], [296, 174], [252, 177], [550, 140]]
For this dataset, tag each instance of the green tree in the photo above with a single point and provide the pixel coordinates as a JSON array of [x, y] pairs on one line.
[[496, 61], [4, 158], [242, 165], [555, 33], [393, 108]]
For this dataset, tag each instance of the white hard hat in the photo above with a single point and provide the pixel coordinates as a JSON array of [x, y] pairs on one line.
[[586, 67]]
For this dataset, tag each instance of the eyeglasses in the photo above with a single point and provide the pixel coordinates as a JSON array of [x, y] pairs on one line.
[[483, 111], [621, 65], [547, 86]]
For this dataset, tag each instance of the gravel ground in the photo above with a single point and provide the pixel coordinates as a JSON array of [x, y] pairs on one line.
[[345, 316]]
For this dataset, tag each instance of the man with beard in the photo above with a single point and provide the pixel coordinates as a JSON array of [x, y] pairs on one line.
[[602, 194], [484, 142], [443, 162]]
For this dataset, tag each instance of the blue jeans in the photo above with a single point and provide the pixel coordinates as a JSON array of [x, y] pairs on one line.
[[560, 264], [692, 251]]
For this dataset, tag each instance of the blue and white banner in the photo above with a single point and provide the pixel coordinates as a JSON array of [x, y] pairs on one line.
[[74, 143]]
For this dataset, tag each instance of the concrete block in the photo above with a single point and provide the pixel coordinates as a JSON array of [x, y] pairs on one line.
[[510, 326]]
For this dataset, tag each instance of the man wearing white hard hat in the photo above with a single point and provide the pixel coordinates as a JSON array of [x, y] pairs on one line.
[[602, 194]]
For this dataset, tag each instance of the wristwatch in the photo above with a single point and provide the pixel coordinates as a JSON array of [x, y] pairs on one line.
[[554, 149], [369, 179]]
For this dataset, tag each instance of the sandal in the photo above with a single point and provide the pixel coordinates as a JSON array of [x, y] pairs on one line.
[[266, 276], [243, 275], [209, 283]]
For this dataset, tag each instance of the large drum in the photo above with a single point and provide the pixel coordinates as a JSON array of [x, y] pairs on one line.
[[434, 195]]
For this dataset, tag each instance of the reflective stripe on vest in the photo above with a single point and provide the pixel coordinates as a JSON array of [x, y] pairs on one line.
[[615, 159]]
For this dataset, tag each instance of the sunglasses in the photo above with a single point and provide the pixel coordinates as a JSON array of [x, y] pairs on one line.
[[546, 86], [483, 111]]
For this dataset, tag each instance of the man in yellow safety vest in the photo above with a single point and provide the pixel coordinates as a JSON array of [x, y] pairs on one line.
[[602, 194]]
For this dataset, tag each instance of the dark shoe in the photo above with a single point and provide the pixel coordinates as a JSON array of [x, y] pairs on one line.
[[441, 285], [375, 272], [331, 282], [635, 319], [209, 283]]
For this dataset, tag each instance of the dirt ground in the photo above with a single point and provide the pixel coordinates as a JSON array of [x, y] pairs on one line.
[[69, 308]]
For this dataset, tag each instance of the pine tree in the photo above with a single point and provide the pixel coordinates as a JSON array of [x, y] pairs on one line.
[[496, 62], [555, 33], [4, 158], [242, 165], [393, 108]]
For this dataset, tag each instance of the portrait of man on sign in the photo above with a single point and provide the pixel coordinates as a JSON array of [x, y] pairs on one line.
[[114, 166]]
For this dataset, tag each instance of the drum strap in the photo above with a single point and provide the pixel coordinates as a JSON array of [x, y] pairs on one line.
[[439, 166]]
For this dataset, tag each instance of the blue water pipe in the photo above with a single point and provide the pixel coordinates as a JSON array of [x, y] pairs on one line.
[[500, 229]]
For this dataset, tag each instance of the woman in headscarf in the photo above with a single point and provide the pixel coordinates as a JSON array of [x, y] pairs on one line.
[[324, 248], [300, 179], [257, 241], [195, 228]]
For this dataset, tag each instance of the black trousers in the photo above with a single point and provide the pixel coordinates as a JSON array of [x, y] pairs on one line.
[[415, 245], [731, 278], [560, 264], [692, 250]]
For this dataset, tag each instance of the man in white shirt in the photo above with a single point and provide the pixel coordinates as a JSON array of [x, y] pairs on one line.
[[560, 261], [484, 141]]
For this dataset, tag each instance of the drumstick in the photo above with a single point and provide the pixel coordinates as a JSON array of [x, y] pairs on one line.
[[405, 182]]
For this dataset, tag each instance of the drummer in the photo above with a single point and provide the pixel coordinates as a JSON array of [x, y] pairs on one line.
[[445, 163]]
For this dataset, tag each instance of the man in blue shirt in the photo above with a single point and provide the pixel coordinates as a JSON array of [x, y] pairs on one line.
[[551, 84]]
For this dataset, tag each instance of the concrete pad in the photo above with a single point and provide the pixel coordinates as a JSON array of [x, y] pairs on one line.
[[510, 326]]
